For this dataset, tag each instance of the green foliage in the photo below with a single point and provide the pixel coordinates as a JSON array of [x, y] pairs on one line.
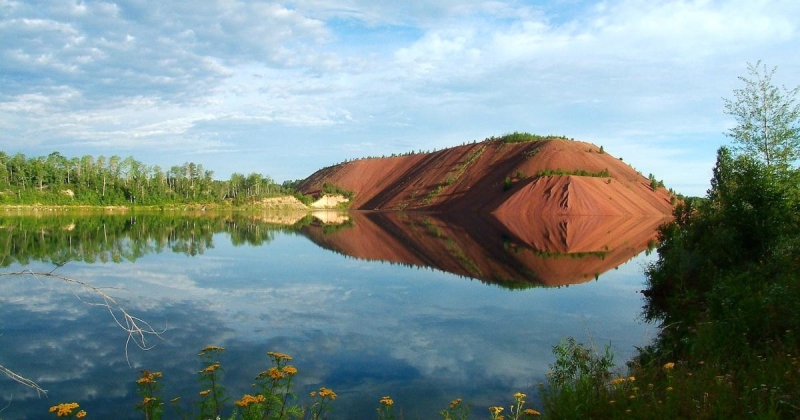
[[212, 397], [507, 183], [524, 137], [333, 189], [462, 167], [655, 184], [578, 381], [101, 181], [579, 172], [768, 118], [149, 389]]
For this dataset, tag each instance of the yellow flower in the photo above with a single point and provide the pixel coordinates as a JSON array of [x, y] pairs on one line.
[[147, 400], [248, 399], [63, 409], [148, 377], [275, 374], [327, 393], [81, 414], [387, 401], [204, 393], [289, 370], [210, 368], [531, 412], [455, 403], [313, 394], [210, 349], [631, 378], [669, 366], [496, 410], [617, 381], [279, 356]]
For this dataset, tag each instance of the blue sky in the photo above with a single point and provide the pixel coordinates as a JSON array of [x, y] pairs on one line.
[[285, 88]]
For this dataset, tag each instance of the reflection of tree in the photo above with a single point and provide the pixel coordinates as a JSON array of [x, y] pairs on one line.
[[116, 238]]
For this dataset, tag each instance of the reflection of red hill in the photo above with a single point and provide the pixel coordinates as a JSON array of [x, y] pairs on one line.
[[545, 251], [493, 176]]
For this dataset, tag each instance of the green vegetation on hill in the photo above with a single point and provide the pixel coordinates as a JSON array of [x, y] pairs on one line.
[[524, 137], [333, 189]]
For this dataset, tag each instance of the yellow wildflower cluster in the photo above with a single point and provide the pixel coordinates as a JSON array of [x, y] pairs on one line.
[[387, 401], [148, 377], [496, 410], [279, 356], [275, 374], [209, 349], [289, 370], [519, 396], [210, 368], [248, 399], [327, 393], [455, 403], [531, 412], [80, 414], [64, 409], [669, 366], [617, 381], [204, 393], [147, 400]]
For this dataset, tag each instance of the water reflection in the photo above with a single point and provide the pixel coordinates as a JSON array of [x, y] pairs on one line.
[[518, 253], [252, 285]]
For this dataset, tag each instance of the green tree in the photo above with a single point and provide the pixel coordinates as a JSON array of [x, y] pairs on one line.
[[767, 118]]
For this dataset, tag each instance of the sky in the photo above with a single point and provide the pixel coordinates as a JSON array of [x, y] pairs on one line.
[[286, 88]]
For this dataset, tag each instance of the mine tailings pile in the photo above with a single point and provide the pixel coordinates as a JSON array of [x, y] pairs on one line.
[[511, 180]]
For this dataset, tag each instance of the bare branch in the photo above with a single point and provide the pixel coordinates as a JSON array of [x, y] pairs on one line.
[[138, 329], [24, 381]]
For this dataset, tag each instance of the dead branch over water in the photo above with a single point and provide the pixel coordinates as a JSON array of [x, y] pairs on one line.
[[139, 330]]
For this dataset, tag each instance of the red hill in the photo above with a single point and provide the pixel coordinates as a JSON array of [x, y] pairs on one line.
[[547, 176]]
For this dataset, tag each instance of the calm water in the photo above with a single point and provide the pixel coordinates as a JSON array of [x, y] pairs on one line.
[[353, 323]]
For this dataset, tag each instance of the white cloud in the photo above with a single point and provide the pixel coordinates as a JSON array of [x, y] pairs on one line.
[[232, 74]]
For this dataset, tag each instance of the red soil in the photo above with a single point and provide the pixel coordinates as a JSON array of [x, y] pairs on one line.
[[474, 178]]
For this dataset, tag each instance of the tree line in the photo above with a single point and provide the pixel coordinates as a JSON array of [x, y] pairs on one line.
[[89, 180]]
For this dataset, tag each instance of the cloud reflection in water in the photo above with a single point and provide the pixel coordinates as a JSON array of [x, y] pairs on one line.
[[362, 328]]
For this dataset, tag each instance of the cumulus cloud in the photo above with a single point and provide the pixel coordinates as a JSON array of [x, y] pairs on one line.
[[241, 75]]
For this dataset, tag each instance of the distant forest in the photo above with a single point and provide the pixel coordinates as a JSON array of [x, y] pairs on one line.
[[89, 180]]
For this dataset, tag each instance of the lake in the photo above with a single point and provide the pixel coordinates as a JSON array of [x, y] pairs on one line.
[[418, 307]]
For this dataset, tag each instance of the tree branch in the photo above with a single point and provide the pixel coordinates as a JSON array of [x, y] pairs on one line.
[[138, 329]]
